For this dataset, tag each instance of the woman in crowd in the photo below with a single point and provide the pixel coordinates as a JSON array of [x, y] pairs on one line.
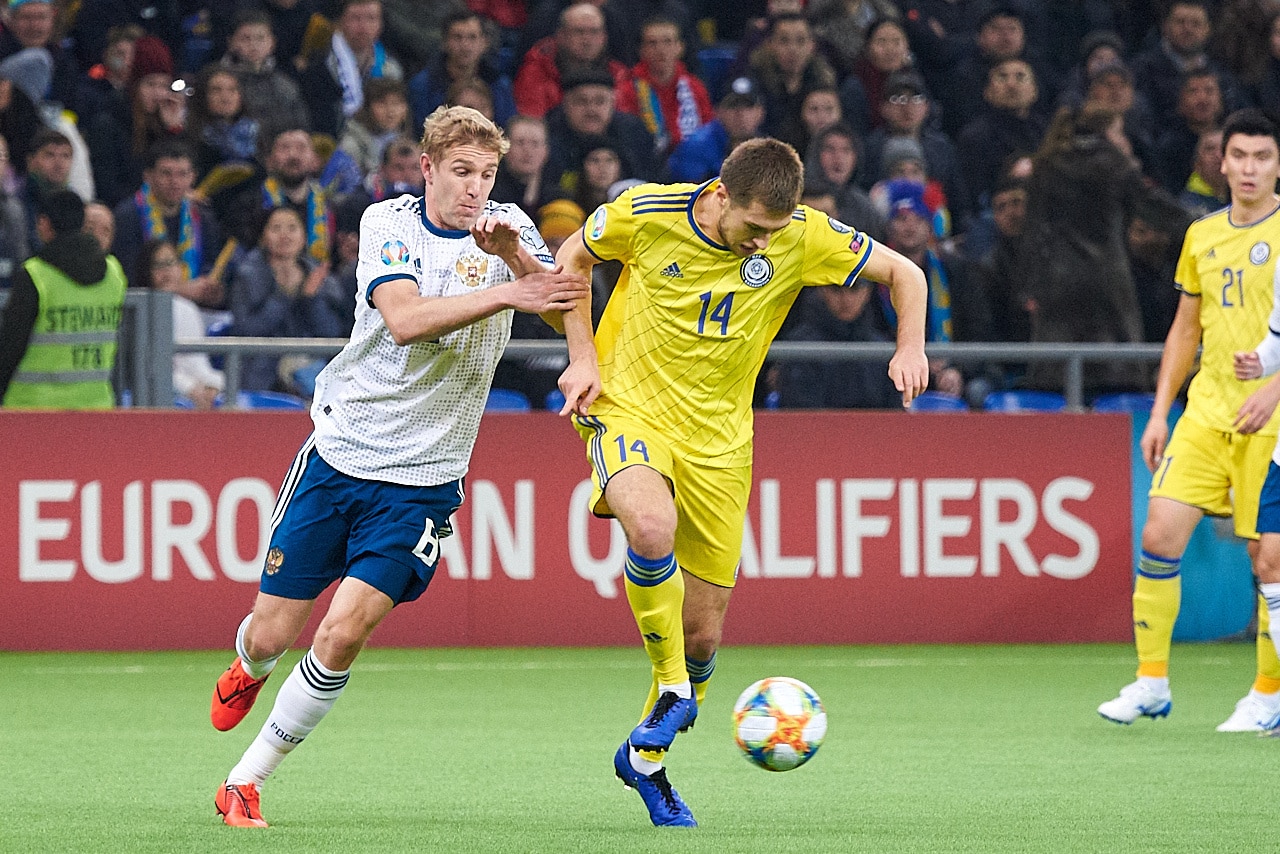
[[219, 129], [159, 267]]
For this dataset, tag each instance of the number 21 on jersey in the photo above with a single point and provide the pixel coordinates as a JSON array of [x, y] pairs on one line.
[[1232, 288]]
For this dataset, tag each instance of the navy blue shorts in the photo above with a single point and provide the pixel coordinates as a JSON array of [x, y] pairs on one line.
[[328, 525], [1269, 503]]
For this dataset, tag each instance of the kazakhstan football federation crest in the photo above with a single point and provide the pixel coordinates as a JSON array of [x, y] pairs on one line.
[[757, 271], [275, 560], [1259, 253], [471, 268]]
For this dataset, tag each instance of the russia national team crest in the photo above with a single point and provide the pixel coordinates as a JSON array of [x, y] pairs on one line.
[[597, 223], [757, 271], [471, 268], [395, 253], [838, 227], [1259, 253], [275, 560]]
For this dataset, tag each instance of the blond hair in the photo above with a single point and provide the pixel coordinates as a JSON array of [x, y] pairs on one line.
[[764, 170], [451, 126]]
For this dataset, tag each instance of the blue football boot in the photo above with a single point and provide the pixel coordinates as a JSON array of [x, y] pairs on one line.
[[666, 809], [670, 714]]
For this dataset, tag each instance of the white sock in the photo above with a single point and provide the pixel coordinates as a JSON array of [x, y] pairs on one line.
[[304, 699], [256, 669], [644, 766], [1271, 593], [1159, 684], [684, 689]]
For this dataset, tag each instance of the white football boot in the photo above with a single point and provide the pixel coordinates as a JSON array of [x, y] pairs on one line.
[[1137, 700]]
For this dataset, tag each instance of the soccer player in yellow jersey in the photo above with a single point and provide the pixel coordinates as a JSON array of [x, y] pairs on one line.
[[1217, 458], [710, 271]]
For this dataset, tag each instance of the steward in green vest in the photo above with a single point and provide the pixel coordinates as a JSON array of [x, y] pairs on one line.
[[58, 336]]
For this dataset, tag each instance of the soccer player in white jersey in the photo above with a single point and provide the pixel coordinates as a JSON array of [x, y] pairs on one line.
[[396, 413]]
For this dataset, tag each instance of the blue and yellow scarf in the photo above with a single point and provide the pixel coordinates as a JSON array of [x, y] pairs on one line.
[[153, 227], [317, 216]]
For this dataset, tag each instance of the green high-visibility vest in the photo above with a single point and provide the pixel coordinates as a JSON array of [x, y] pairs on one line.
[[72, 350]]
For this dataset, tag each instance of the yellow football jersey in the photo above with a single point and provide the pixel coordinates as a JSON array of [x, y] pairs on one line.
[[689, 324], [1231, 269]]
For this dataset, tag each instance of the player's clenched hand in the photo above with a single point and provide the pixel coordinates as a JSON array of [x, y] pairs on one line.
[[556, 290], [1248, 365], [1256, 411], [909, 370], [1152, 443], [496, 237], [580, 385]]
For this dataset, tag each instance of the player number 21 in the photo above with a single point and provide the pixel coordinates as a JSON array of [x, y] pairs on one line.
[[1232, 280], [719, 314]]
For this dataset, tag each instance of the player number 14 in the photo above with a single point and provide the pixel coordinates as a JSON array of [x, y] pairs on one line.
[[719, 314], [1232, 283]]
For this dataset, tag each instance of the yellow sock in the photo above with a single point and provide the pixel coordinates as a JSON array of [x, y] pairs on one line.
[[1268, 679], [655, 590], [1157, 595], [700, 675]]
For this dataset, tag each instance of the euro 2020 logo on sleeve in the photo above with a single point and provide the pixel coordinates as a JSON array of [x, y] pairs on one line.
[[394, 253], [597, 223]]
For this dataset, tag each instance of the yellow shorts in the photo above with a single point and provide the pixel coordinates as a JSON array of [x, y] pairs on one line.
[[1218, 471], [711, 502]]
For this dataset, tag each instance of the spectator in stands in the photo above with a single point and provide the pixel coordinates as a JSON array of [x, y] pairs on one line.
[[101, 223], [843, 28], [269, 94], [587, 113], [120, 136], [1098, 48], [20, 119], [162, 209], [578, 47], [111, 74], [48, 169], [904, 109], [94, 21], [756, 30], [1160, 70], [996, 283], [1153, 239], [31, 24], [1265, 92], [1005, 127], [280, 291], [903, 158], [194, 378], [623, 20], [673, 102], [1001, 36], [885, 53], [399, 174], [76, 288], [950, 305], [1110, 87], [14, 246], [218, 129], [1072, 258], [739, 117], [464, 54], [382, 117], [520, 178], [1200, 109], [473, 93], [333, 83], [831, 166], [1206, 190], [787, 67], [819, 111], [601, 168], [290, 164], [836, 314]]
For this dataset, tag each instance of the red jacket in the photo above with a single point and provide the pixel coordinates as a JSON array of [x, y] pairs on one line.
[[684, 104], [537, 84]]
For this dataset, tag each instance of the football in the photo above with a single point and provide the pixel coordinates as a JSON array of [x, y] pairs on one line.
[[779, 723]]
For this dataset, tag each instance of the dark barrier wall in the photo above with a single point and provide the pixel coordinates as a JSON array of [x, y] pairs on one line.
[[146, 530]]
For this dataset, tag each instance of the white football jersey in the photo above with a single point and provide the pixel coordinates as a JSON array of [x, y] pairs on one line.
[[410, 414]]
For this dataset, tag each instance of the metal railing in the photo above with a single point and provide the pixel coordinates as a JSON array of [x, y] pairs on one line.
[[144, 365]]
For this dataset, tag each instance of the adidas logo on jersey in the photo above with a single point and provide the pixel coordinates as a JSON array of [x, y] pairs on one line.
[[672, 271]]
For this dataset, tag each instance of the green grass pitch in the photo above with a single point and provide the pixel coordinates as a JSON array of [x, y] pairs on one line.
[[930, 749]]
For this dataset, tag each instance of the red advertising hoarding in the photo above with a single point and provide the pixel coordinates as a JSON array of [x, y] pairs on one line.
[[146, 530]]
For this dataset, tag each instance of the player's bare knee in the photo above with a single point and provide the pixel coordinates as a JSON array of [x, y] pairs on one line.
[[652, 534], [701, 643], [1267, 565], [337, 644], [264, 640]]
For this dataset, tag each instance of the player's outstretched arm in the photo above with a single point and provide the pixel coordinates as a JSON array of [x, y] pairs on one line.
[[909, 368], [411, 318], [580, 382]]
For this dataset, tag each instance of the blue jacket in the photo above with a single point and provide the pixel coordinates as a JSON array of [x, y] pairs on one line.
[[699, 156]]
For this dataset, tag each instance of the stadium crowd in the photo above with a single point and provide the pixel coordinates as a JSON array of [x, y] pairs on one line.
[[1040, 160]]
